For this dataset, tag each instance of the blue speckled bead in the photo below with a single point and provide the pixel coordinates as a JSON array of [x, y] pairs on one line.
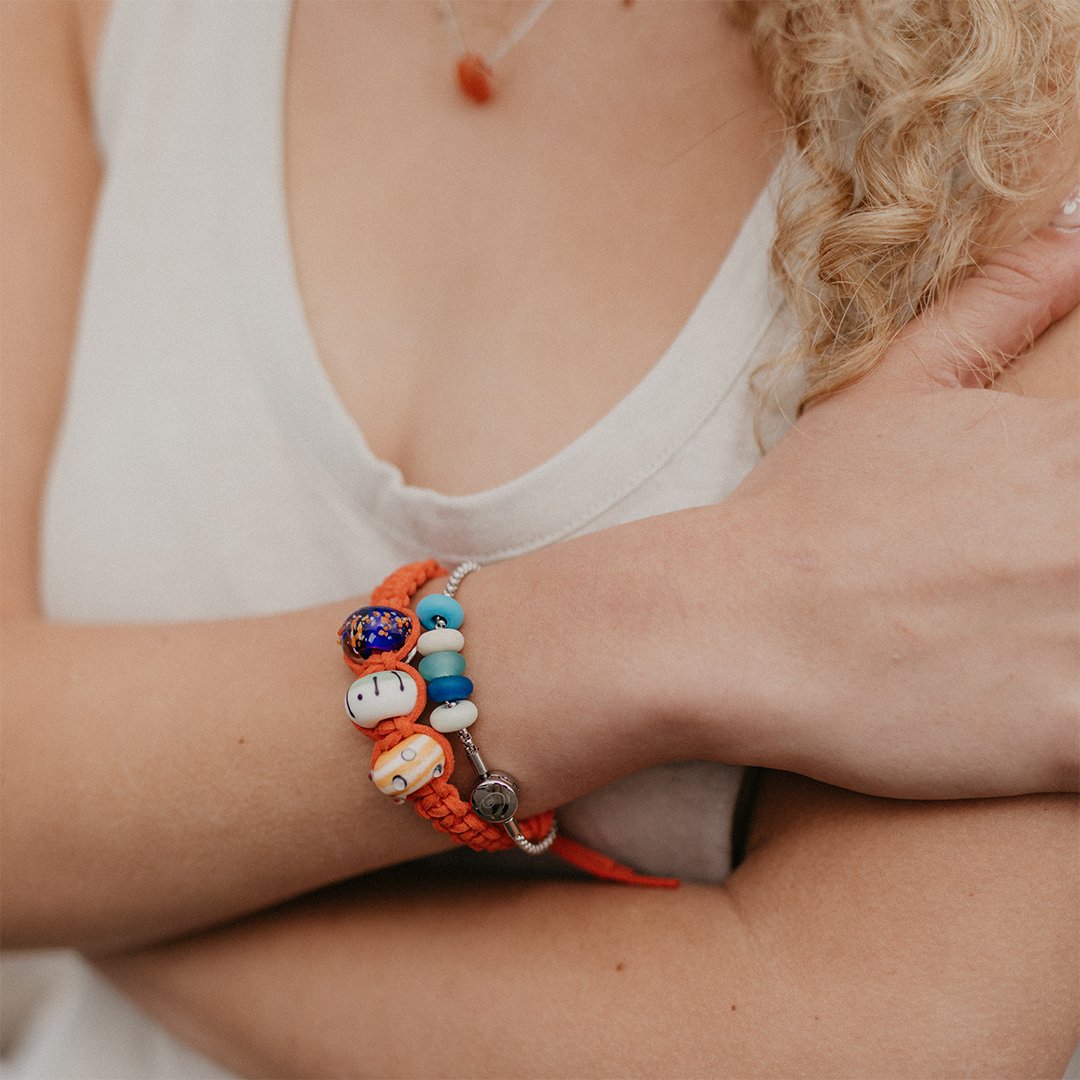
[[438, 664], [449, 688], [439, 606], [374, 629]]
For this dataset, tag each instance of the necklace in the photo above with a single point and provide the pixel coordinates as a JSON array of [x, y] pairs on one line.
[[475, 72]]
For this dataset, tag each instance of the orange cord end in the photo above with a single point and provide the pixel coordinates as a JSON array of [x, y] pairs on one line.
[[474, 78], [603, 866]]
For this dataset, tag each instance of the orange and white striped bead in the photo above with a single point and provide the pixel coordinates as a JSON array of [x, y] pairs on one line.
[[410, 765]]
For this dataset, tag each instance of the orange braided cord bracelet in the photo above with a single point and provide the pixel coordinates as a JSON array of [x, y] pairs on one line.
[[436, 798], [412, 761]]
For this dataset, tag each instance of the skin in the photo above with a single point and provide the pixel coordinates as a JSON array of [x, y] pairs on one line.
[[233, 814], [580, 251]]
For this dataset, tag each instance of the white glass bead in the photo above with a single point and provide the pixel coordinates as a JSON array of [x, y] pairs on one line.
[[441, 640], [379, 696], [411, 764], [453, 716]]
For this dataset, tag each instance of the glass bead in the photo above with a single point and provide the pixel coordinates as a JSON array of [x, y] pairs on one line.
[[453, 716], [449, 688], [438, 664], [441, 639], [380, 695], [441, 607], [410, 765], [374, 629]]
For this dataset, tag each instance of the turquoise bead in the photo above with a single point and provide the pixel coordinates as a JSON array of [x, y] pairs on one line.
[[449, 688], [442, 607], [437, 664]]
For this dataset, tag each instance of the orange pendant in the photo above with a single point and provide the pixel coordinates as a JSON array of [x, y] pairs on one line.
[[474, 78]]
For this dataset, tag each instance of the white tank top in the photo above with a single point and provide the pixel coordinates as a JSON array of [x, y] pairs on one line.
[[207, 469]]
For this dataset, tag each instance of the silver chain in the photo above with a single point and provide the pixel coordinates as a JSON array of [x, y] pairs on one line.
[[457, 576], [473, 753]]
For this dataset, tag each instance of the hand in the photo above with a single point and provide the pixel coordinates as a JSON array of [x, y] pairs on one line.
[[920, 537]]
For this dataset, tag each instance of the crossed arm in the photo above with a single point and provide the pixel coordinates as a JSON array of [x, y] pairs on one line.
[[861, 937]]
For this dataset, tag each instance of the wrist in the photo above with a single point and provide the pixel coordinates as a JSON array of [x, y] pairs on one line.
[[727, 649], [580, 664]]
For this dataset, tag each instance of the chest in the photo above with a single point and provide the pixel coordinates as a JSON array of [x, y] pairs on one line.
[[209, 467], [484, 283]]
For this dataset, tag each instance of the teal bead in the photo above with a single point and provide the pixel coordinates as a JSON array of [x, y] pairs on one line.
[[437, 664], [442, 607], [449, 688]]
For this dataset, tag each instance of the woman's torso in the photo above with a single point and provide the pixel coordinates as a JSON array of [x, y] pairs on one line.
[[529, 258], [264, 414], [209, 467]]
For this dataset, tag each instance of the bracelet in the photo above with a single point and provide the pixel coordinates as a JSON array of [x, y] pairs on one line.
[[494, 796], [412, 761]]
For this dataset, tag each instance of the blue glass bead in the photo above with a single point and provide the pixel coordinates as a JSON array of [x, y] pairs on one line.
[[438, 664], [439, 606], [374, 629], [449, 688]]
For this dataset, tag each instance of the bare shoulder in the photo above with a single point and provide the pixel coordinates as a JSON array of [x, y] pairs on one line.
[[48, 189]]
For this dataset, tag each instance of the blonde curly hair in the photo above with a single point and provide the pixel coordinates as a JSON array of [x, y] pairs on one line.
[[913, 123]]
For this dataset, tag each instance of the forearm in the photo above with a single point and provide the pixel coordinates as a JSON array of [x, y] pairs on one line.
[[160, 779], [860, 938], [163, 779]]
